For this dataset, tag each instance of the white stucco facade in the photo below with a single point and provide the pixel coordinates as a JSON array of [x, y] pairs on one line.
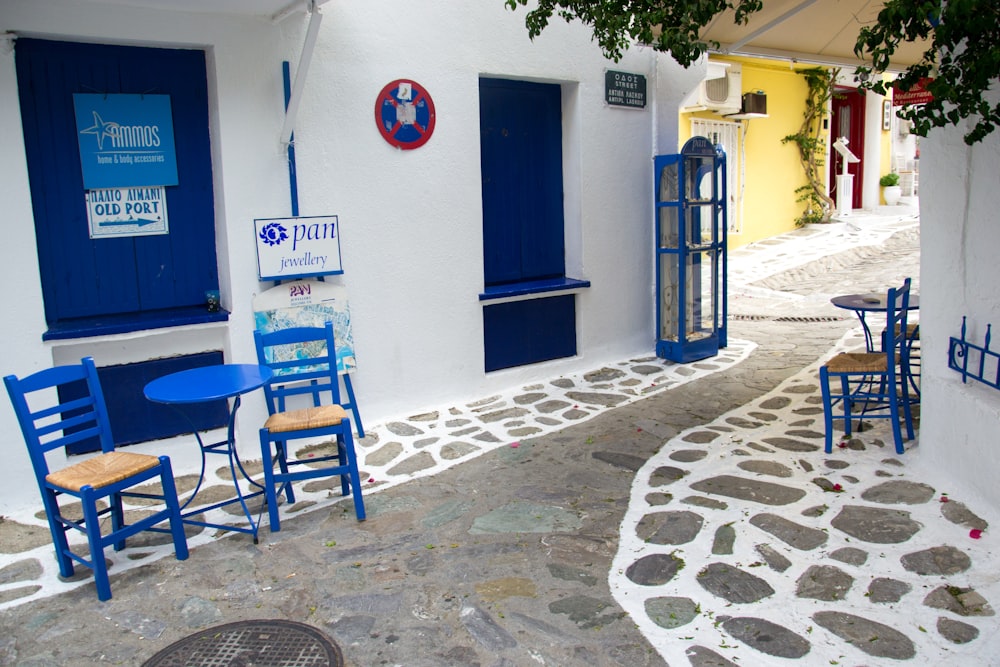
[[411, 221], [959, 274]]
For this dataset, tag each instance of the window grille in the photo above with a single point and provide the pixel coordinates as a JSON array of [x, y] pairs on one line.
[[727, 133]]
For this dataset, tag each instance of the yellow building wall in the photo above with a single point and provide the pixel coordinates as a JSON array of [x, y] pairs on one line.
[[771, 169]]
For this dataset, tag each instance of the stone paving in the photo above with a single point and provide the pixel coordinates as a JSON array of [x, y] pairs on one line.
[[743, 533], [701, 491]]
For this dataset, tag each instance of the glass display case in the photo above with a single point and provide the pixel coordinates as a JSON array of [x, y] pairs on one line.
[[691, 262]]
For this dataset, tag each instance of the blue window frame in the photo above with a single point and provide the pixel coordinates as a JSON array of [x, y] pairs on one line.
[[523, 226], [110, 285]]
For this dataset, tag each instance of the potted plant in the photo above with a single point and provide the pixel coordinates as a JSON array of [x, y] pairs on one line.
[[891, 191]]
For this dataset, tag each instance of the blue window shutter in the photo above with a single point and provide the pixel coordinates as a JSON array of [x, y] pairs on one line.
[[521, 162], [85, 278]]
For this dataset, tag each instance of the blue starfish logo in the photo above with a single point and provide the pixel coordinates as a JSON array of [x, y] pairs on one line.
[[101, 130]]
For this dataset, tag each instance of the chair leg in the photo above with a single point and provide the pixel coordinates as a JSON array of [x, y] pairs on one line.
[[174, 507], [58, 530], [117, 518], [907, 407], [824, 382], [92, 524], [349, 388], [269, 482], [282, 457], [343, 460], [352, 464], [845, 396], [897, 435]]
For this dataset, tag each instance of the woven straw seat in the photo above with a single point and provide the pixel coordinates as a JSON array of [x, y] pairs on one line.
[[102, 471], [857, 362], [297, 420]]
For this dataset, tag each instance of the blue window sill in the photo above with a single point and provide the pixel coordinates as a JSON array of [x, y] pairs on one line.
[[532, 287], [105, 325]]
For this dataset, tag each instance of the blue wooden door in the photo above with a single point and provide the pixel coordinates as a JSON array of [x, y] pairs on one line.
[[89, 278], [521, 161]]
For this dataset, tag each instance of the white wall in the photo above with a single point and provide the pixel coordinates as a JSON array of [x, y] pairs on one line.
[[411, 221], [959, 274]]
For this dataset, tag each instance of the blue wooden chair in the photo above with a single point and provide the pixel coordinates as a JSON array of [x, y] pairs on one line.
[[875, 381], [304, 360], [53, 414]]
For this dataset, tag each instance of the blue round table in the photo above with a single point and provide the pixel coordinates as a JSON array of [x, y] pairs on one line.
[[210, 383]]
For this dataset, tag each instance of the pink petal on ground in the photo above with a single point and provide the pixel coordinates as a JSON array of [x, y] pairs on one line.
[[944, 499], [515, 445], [975, 533], [838, 487]]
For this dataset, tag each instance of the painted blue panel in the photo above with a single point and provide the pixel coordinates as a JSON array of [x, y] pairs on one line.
[[521, 163], [526, 332], [83, 277], [136, 419]]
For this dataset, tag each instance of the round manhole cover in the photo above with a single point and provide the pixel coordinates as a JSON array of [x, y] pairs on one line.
[[257, 643]]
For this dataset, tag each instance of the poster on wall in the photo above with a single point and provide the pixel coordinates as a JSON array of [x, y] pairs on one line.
[[306, 303], [289, 248], [125, 140], [114, 212]]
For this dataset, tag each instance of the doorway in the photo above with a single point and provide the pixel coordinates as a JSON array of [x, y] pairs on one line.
[[847, 119]]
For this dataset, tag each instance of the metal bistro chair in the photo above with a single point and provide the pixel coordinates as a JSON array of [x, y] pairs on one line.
[[52, 414], [304, 360], [875, 380]]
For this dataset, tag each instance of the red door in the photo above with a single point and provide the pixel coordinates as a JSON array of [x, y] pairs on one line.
[[848, 120]]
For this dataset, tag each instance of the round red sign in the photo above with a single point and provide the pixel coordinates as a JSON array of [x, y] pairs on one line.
[[404, 114]]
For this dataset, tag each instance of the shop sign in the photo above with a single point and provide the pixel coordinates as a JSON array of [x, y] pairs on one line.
[[113, 212], [917, 94], [125, 140], [289, 248], [624, 89]]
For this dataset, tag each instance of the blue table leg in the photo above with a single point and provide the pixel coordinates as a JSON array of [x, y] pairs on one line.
[[225, 447]]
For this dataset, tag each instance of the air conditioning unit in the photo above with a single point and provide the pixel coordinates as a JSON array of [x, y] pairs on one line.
[[722, 95]]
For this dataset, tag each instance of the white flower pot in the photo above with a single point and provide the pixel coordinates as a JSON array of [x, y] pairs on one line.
[[891, 194]]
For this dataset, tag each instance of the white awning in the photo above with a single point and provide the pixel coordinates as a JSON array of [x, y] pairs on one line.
[[810, 31], [274, 10]]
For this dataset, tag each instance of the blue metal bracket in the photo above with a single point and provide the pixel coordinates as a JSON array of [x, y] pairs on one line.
[[975, 361]]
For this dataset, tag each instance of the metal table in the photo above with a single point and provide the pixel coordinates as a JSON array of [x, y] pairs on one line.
[[210, 383], [862, 304]]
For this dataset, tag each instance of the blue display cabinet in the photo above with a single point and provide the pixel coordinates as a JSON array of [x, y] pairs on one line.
[[691, 262]]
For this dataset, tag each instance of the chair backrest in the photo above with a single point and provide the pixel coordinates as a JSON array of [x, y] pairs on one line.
[[897, 306], [53, 414], [304, 361]]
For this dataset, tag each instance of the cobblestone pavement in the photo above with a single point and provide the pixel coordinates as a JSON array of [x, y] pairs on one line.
[[644, 513]]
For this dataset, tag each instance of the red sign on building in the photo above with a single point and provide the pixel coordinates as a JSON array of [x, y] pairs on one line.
[[918, 94]]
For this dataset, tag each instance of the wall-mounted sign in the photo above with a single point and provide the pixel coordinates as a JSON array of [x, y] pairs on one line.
[[404, 114], [918, 94], [289, 248], [624, 89], [127, 212], [125, 140]]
